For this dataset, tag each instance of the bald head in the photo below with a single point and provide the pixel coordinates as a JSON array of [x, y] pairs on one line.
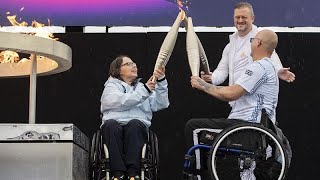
[[269, 40]]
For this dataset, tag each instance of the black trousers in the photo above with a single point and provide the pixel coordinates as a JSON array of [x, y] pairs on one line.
[[206, 123], [192, 130], [125, 144]]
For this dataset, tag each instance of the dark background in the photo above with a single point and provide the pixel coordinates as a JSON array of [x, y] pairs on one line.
[[74, 96]]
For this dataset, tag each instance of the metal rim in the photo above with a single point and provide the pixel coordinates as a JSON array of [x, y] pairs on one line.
[[217, 144]]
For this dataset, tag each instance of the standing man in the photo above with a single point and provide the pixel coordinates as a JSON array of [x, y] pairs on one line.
[[256, 88], [236, 55]]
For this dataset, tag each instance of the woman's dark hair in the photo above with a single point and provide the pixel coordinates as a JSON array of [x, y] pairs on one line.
[[114, 70]]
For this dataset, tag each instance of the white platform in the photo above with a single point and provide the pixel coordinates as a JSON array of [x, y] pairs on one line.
[[43, 152]]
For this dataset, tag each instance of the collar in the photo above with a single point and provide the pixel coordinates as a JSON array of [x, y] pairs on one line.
[[252, 33]]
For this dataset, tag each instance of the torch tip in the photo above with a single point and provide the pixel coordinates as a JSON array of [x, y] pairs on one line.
[[183, 15]]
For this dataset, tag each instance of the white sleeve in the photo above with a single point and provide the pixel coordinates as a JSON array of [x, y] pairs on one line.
[[160, 98], [276, 61], [221, 73]]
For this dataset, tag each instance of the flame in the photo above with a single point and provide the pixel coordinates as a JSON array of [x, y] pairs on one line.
[[23, 60], [37, 25], [14, 22], [180, 4], [183, 4], [183, 14], [8, 56], [49, 22]]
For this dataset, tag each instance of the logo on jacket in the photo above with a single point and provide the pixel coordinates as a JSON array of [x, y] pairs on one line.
[[243, 55]]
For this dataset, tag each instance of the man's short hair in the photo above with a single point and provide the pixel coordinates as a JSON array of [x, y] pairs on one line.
[[244, 5]]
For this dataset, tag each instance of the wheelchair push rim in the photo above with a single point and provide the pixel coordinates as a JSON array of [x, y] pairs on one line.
[[215, 149], [152, 166], [95, 157], [92, 156]]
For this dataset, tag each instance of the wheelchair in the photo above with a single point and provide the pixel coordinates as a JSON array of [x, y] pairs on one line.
[[241, 151], [99, 162]]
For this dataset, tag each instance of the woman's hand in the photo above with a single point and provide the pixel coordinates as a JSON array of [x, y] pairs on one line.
[[151, 85], [159, 73]]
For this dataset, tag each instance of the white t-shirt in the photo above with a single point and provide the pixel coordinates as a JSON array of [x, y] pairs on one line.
[[242, 57], [261, 82]]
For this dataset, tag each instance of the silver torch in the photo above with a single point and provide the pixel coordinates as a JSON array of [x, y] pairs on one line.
[[192, 49], [169, 43]]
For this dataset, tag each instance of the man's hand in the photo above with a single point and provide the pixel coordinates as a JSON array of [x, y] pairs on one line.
[[286, 75], [206, 77], [198, 83]]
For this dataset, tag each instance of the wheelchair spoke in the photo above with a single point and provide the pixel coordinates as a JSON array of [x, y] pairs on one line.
[[100, 162], [227, 167], [269, 169], [249, 150]]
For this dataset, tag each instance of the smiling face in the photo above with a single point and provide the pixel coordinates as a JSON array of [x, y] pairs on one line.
[[128, 70], [243, 19]]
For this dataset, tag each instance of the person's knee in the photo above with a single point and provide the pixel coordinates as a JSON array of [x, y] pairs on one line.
[[136, 127], [188, 128], [111, 126], [134, 123], [110, 123], [111, 129]]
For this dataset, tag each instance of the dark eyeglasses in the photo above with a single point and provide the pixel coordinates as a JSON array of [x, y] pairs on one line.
[[251, 39], [130, 64]]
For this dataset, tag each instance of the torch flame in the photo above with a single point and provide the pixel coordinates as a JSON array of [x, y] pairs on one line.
[[180, 4], [183, 15], [183, 4]]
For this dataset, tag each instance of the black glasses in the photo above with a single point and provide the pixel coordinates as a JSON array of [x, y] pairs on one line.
[[130, 64], [251, 39]]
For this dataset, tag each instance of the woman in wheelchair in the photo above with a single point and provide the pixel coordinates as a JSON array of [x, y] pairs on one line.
[[126, 106], [255, 89]]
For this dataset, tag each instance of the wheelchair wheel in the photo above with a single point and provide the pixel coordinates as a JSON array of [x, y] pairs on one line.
[[155, 155], [247, 150], [92, 149], [95, 156], [151, 165]]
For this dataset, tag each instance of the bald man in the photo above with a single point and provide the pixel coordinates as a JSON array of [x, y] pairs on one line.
[[256, 89]]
